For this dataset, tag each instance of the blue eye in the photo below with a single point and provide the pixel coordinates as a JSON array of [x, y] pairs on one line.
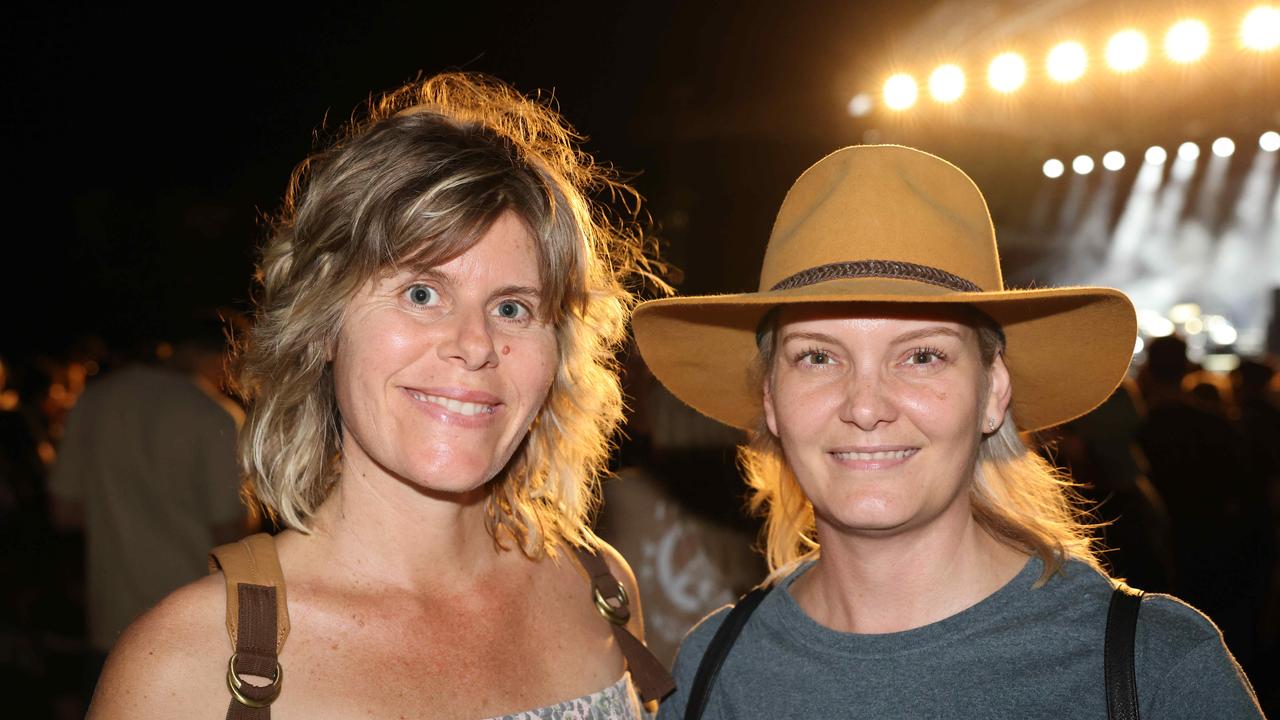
[[421, 295], [512, 310]]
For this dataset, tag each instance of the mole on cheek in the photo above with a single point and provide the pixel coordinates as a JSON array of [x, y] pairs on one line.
[[506, 349]]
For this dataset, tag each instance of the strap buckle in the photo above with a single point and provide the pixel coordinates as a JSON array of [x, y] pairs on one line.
[[617, 614], [249, 695]]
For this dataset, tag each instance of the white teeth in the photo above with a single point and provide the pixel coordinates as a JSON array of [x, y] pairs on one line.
[[865, 456], [454, 406]]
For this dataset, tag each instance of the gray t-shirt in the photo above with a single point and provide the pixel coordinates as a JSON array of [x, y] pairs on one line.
[[1022, 652]]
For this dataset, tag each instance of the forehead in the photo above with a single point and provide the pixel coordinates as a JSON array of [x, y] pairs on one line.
[[873, 319], [505, 246]]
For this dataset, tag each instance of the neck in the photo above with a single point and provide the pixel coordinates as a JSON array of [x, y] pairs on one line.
[[386, 532], [866, 583]]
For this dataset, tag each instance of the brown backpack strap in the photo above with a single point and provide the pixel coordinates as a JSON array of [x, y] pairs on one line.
[[649, 674], [257, 621]]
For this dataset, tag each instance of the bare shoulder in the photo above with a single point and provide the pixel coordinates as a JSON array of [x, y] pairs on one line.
[[171, 662], [622, 570]]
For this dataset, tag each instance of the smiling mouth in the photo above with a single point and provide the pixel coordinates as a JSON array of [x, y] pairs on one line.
[[875, 456], [466, 409]]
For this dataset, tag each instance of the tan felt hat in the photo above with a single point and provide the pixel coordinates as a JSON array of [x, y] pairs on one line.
[[891, 224]]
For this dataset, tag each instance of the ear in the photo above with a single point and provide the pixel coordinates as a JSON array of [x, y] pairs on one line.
[[999, 394], [770, 417]]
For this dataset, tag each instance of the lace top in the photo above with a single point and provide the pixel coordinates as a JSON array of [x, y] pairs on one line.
[[619, 701]]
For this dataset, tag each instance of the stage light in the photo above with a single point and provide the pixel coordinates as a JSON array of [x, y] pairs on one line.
[[1153, 324], [1067, 62], [1220, 330], [946, 83], [1193, 326], [1223, 147], [1156, 155], [1083, 165], [900, 92], [1188, 151], [1113, 160], [1260, 29], [1127, 51], [1053, 168], [1187, 41], [1270, 141], [1007, 72], [860, 105], [1138, 345], [1183, 313]]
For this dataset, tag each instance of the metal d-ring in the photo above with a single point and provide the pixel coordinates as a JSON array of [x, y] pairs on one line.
[[617, 615], [234, 684]]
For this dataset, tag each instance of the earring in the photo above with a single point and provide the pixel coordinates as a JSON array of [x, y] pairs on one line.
[[991, 424]]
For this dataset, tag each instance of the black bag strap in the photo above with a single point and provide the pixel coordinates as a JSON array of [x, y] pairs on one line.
[[1118, 666], [718, 650], [1118, 656]]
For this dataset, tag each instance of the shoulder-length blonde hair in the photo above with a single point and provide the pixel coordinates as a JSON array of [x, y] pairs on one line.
[[1016, 495], [417, 180]]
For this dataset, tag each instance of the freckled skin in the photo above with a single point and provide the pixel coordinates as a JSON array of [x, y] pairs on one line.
[[492, 633], [843, 381], [391, 343]]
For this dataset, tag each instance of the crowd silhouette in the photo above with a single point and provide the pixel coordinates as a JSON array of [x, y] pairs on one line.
[[1180, 468]]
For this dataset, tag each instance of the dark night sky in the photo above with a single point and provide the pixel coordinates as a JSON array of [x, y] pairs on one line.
[[143, 145]]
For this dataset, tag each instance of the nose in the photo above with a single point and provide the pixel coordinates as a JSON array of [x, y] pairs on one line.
[[468, 341], [867, 402]]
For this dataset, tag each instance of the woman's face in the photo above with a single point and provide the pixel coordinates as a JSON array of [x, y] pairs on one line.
[[880, 415], [439, 373]]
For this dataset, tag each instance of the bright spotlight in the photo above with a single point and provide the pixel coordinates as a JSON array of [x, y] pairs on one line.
[[1113, 160], [1067, 62], [1187, 41], [860, 105], [1270, 141], [1223, 147], [1007, 72], [1188, 151], [1082, 165], [946, 83], [1260, 29], [1127, 51], [1220, 330], [1156, 155], [1153, 324], [1184, 312], [900, 92], [1053, 168]]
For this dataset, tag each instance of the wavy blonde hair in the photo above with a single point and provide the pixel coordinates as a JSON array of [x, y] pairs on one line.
[[416, 180], [1017, 496]]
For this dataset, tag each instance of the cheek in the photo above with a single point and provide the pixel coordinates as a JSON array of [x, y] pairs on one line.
[[942, 412]]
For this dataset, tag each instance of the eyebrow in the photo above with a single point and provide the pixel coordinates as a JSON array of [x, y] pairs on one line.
[[520, 290], [920, 334], [928, 332], [811, 336]]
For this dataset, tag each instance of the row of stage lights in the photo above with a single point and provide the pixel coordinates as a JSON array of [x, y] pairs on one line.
[[1156, 155], [1186, 42]]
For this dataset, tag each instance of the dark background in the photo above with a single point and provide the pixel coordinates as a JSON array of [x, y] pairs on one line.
[[145, 145]]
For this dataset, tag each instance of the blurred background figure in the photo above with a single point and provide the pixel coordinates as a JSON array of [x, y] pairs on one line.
[[1101, 452], [147, 468], [1223, 532], [676, 511]]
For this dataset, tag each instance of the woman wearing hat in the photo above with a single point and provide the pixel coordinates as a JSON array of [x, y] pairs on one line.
[[924, 562], [432, 392]]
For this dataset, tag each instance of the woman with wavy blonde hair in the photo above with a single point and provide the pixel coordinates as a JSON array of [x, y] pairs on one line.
[[924, 562], [432, 393]]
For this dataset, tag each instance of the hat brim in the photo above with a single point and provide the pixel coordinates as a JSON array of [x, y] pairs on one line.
[[1067, 348]]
